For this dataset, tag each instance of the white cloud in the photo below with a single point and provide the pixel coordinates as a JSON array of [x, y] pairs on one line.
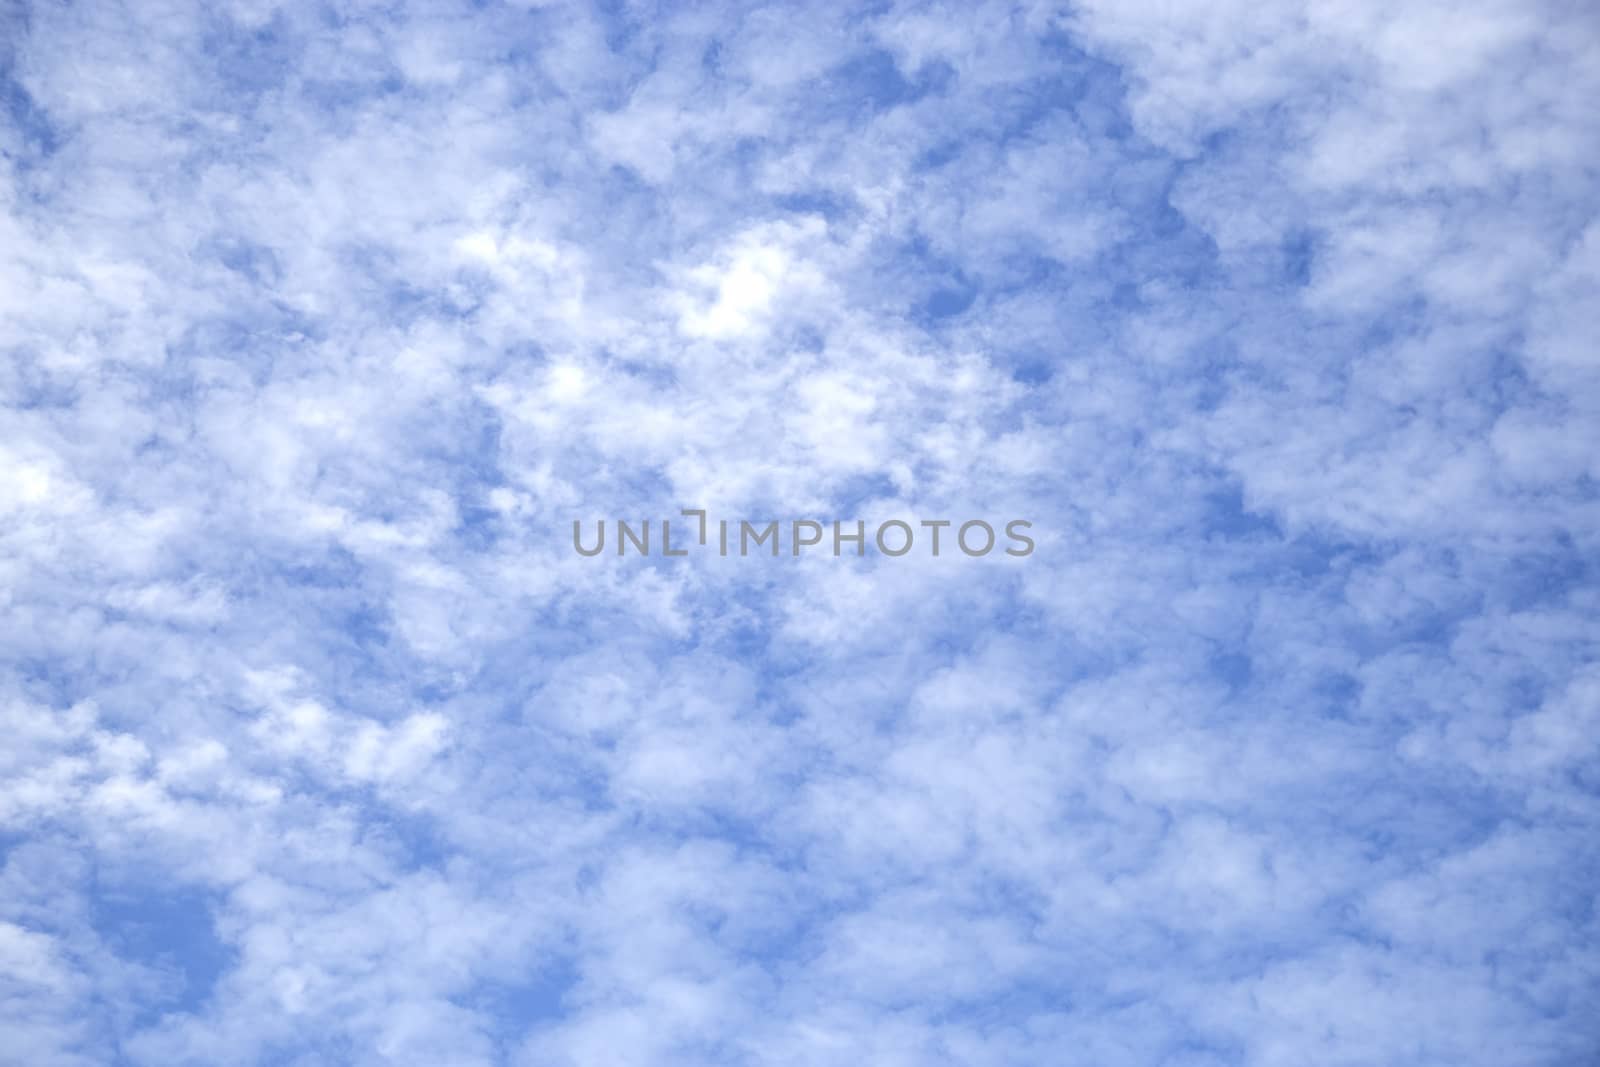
[[320, 331]]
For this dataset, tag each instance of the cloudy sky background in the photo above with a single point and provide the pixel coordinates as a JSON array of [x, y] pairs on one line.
[[320, 326]]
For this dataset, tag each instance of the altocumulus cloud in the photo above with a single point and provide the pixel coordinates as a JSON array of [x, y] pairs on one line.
[[322, 323]]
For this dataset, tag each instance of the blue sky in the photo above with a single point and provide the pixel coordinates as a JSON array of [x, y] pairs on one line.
[[319, 326]]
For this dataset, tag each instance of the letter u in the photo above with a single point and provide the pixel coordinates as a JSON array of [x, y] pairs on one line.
[[578, 544]]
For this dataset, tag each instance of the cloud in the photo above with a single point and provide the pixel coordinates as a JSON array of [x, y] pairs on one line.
[[321, 326]]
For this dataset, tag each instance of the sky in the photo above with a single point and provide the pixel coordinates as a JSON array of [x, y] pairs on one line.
[[321, 324]]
